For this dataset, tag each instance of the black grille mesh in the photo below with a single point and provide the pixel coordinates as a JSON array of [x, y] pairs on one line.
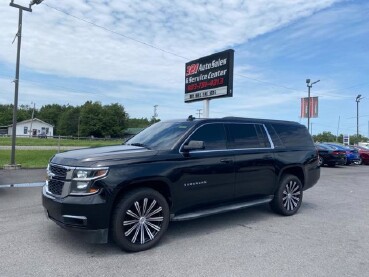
[[56, 186], [60, 172]]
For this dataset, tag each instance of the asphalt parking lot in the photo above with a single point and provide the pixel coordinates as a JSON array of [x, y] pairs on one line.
[[329, 236]]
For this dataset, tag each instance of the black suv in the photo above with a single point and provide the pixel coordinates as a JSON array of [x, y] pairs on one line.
[[179, 170]]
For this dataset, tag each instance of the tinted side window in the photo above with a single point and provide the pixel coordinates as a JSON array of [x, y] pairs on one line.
[[213, 136], [293, 135], [245, 136]]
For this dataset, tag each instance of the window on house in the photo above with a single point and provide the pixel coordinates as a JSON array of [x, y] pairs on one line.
[[25, 130]]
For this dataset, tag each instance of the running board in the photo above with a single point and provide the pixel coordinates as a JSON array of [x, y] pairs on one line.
[[221, 209]]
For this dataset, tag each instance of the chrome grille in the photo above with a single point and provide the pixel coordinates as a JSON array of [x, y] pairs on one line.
[[58, 177]]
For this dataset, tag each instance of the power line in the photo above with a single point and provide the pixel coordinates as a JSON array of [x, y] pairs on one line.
[[156, 47], [268, 83], [169, 52], [116, 33]]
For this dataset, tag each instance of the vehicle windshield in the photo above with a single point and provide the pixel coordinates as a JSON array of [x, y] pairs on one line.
[[161, 135]]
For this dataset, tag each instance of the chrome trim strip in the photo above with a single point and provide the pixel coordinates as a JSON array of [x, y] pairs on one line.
[[227, 150], [69, 178], [83, 193], [269, 137], [75, 217], [46, 192]]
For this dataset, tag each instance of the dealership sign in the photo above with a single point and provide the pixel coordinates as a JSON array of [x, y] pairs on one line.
[[313, 107], [210, 77]]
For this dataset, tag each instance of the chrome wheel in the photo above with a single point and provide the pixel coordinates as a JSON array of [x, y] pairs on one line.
[[291, 195], [143, 221], [320, 161]]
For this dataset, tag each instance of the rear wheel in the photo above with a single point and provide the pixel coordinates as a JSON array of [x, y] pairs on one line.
[[140, 220], [287, 199]]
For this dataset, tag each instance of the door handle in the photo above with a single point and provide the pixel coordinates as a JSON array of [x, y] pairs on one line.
[[226, 161]]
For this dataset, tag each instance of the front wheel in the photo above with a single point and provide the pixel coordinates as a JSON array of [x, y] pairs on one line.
[[287, 199], [320, 160], [140, 220]]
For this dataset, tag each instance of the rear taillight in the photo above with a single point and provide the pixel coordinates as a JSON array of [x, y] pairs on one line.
[[336, 152]]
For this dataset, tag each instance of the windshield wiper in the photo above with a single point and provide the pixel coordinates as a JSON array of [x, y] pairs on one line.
[[139, 145]]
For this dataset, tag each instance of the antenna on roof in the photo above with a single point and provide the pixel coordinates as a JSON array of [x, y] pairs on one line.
[[190, 118]]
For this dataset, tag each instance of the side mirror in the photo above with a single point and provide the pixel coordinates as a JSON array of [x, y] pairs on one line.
[[194, 145]]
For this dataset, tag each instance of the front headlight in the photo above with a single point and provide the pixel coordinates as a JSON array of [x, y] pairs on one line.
[[84, 178]]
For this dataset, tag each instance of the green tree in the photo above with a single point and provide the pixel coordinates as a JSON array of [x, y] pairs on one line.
[[137, 122], [91, 122], [114, 120], [6, 115], [51, 114], [69, 121], [24, 112], [324, 137]]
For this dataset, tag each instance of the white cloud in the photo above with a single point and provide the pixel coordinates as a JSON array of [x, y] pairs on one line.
[[59, 44], [139, 76]]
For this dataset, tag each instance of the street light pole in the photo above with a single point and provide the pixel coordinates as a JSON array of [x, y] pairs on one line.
[[16, 80], [33, 115], [358, 98], [309, 87]]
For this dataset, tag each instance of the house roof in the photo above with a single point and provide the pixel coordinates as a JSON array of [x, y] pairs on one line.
[[29, 120]]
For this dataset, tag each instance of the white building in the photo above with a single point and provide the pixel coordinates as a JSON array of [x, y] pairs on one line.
[[32, 127]]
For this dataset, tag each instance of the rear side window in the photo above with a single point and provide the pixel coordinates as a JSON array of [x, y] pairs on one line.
[[292, 135], [246, 136], [213, 136]]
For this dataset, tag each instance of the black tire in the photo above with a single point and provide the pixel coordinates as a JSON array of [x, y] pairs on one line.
[[140, 220], [287, 199], [360, 161]]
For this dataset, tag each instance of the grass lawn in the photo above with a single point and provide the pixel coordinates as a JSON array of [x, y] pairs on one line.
[[40, 158], [28, 158], [6, 141]]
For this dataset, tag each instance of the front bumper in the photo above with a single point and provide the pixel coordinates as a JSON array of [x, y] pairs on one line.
[[86, 214]]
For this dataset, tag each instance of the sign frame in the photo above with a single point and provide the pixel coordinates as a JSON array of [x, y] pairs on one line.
[[209, 77]]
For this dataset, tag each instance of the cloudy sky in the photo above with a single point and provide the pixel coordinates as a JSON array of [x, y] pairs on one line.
[[134, 53]]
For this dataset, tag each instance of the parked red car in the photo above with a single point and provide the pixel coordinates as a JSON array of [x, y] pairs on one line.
[[364, 154]]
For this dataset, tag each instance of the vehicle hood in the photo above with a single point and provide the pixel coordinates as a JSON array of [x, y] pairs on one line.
[[101, 156]]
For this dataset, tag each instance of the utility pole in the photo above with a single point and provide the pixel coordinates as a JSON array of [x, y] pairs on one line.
[[199, 112], [309, 87], [338, 127], [206, 107], [155, 112], [358, 98], [16, 80], [33, 114], [79, 123]]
